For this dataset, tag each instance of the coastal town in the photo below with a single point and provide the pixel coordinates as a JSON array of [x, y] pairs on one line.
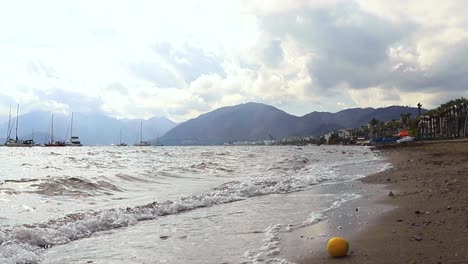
[[447, 121]]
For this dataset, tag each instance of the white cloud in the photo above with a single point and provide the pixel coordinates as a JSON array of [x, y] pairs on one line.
[[183, 58]]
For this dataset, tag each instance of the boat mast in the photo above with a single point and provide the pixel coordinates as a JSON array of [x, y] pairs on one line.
[[9, 124], [71, 128], [141, 131], [52, 130], [17, 117], [120, 138]]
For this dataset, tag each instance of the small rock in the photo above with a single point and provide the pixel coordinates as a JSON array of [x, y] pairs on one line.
[[417, 212], [417, 238], [357, 209], [449, 208], [399, 220], [391, 194], [163, 237], [388, 179]]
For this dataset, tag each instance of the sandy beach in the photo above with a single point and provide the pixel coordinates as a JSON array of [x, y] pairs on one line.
[[415, 212]]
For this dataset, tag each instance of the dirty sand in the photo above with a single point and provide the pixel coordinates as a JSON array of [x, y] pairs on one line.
[[424, 220]]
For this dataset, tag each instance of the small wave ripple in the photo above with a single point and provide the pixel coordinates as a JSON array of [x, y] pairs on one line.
[[72, 186]]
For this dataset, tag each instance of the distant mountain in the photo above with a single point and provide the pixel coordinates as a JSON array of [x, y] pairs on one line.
[[249, 121], [254, 121], [92, 128]]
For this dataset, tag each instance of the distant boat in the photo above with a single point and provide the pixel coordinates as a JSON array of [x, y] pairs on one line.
[[121, 144], [53, 143], [10, 142], [142, 143], [74, 140]]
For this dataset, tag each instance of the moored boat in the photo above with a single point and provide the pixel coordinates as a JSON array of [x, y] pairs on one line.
[[142, 143], [10, 142], [74, 140], [52, 142]]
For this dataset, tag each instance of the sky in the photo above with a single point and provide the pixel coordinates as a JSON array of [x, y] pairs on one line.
[[179, 59]]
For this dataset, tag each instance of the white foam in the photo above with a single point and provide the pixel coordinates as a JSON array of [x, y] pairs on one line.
[[270, 250], [318, 216]]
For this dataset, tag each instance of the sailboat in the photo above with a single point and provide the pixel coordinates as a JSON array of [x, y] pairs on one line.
[[121, 144], [10, 142], [53, 143], [74, 140], [142, 143]]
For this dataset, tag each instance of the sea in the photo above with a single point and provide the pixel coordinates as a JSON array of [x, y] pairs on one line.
[[162, 204]]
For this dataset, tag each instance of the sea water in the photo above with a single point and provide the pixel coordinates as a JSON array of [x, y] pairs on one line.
[[221, 204]]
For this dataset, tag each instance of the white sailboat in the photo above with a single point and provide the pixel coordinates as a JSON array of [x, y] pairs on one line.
[[142, 143], [10, 142], [52, 142], [74, 140]]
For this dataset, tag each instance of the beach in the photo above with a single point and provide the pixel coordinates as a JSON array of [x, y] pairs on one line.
[[415, 212]]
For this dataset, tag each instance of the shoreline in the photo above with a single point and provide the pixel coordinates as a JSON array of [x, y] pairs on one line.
[[424, 221]]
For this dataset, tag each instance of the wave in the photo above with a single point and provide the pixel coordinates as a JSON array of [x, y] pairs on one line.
[[73, 186], [22, 244], [130, 178]]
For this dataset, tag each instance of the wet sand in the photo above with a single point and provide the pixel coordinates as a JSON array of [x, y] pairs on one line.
[[424, 220]]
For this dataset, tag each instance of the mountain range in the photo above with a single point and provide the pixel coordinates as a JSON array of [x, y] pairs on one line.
[[92, 128], [244, 122], [255, 121]]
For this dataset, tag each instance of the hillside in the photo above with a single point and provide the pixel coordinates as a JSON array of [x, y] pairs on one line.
[[254, 121]]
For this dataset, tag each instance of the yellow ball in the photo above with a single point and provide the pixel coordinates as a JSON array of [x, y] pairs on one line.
[[337, 247]]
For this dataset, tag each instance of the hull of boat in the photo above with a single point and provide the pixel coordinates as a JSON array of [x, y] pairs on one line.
[[19, 145], [54, 145]]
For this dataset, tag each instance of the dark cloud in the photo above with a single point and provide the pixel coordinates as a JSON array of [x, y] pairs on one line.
[[349, 45], [447, 74]]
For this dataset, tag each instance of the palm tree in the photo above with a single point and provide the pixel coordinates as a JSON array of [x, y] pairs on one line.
[[419, 108]]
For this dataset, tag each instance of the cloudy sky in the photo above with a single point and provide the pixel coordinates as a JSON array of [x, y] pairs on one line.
[[182, 58]]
